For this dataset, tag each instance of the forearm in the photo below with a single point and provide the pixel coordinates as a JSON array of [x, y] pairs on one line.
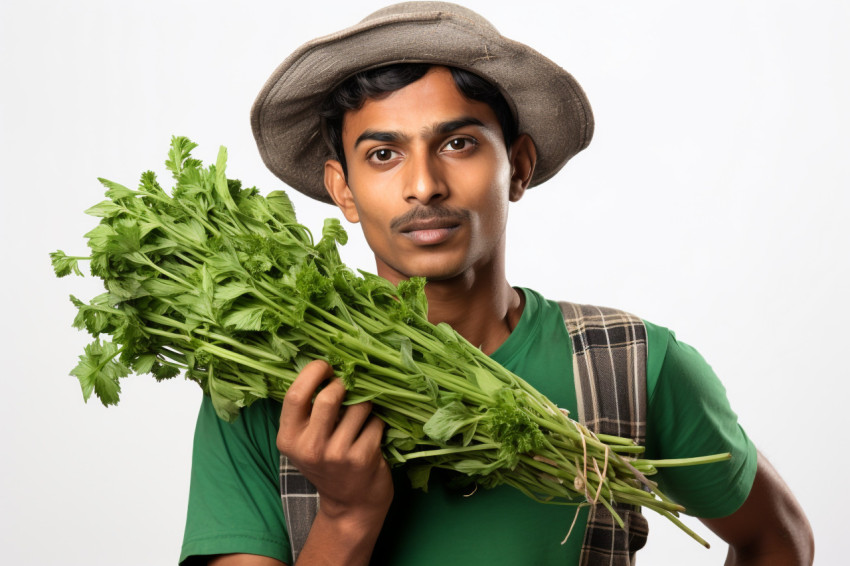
[[343, 539]]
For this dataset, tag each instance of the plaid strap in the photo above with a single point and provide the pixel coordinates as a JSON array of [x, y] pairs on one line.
[[609, 369], [300, 504]]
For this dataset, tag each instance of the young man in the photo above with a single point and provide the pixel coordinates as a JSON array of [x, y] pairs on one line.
[[427, 157]]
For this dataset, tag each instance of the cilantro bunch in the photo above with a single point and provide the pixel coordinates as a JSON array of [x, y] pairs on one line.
[[224, 285]]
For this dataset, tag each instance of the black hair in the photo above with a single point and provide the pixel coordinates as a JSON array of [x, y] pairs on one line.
[[380, 82]]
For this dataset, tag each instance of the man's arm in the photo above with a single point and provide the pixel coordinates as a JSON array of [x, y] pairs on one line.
[[770, 528]]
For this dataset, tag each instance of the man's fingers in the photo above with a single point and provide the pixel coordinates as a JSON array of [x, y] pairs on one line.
[[351, 423], [326, 411], [370, 435], [315, 427], [298, 401]]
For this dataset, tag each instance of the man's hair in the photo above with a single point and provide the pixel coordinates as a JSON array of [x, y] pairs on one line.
[[380, 82]]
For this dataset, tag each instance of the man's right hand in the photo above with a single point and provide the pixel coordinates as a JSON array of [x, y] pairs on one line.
[[338, 449]]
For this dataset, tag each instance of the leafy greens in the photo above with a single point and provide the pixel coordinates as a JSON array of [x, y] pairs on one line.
[[220, 283]]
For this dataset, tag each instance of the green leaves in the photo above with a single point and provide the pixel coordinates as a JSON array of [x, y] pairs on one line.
[[222, 284], [281, 206], [144, 363], [222, 188], [105, 209], [485, 380], [419, 475], [115, 191], [253, 253], [246, 318], [98, 316], [512, 427], [332, 232], [63, 265], [98, 371], [451, 419], [412, 305], [181, 147], [412, 295], [312, 286], [181, 269]]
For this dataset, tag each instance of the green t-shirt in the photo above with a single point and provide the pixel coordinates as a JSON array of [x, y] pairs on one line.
[[234, 499]]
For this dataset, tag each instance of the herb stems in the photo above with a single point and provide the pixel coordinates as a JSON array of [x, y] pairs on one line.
[[225, 285]]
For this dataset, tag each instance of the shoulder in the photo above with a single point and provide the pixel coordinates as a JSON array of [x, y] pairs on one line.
[[689, 415]]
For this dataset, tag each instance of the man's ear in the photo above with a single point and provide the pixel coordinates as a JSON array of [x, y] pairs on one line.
[[340, 193], [523, 159]]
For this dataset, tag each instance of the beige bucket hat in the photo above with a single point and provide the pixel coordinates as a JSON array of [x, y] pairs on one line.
[[547, 102]]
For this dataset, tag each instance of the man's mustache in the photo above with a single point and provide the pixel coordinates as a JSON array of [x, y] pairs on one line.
[[428, 213]]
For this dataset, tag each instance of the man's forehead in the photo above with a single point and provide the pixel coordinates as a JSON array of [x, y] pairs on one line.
[[431, 104]]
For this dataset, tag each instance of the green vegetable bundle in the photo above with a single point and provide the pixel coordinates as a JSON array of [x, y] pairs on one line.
[[223, 284]]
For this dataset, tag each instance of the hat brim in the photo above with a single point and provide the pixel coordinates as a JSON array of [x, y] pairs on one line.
[[548, 103]]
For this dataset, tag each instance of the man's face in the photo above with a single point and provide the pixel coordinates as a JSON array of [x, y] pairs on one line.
[[429, 179]]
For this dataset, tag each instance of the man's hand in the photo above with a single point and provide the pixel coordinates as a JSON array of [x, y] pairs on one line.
[[338, 449], [770, 528]]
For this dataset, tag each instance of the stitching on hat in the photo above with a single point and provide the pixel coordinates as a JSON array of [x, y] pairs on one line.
[[487, 56]]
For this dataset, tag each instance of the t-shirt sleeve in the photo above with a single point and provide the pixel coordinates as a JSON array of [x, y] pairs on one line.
[[689, 415], [234, 498]]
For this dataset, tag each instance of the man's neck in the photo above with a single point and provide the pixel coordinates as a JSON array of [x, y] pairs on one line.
[[484, 311], [478, 303]]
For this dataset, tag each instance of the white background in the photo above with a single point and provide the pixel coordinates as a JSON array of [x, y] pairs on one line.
[[713, 200]]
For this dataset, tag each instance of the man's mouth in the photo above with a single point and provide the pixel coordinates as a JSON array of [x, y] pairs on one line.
[[431, 232], [430, 226]]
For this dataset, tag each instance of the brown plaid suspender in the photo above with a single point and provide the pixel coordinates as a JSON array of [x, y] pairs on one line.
[[609, 369]]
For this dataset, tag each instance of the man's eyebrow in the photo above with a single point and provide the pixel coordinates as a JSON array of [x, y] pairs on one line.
[[438, 129], [381, 136], [452, 125]]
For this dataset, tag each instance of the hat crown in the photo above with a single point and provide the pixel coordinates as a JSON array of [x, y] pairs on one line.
[[448, 8]]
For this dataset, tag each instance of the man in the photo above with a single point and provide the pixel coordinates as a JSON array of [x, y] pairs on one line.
[[427, 157]]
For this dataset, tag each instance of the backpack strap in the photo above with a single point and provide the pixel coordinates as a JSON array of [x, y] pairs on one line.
[[609, 370], [300, 505]]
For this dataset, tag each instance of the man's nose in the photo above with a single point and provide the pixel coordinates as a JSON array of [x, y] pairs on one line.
[[424, 181]]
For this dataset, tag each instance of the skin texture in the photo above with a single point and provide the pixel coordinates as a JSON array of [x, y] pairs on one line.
[[770, 528], [430, 181]]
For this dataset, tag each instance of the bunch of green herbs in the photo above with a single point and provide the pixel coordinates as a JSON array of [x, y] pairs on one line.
[[224, 285]]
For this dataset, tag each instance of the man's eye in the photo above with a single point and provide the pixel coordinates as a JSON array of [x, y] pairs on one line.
[[457, 144], [383, 154]]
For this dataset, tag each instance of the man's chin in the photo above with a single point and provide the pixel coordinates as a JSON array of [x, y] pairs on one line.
[[432, 273]]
